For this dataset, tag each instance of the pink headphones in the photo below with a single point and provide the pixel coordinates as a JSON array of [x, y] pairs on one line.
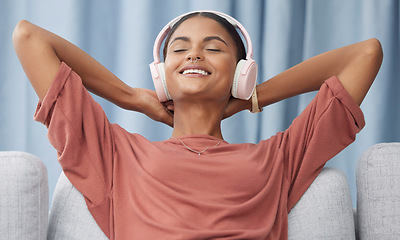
[[245, 77]]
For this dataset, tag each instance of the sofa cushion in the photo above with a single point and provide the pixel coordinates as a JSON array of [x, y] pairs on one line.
[[70, 218], [378, 192], [24, 196], [325, 210]]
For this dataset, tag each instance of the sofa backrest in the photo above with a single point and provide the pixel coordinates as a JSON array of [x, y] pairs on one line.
[[325, 210], [378, 192], [70, 218]]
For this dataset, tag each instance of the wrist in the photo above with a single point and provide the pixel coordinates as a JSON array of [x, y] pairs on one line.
[[128, 99], [244, 104]]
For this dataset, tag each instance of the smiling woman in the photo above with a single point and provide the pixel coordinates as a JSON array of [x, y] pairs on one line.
[[197, 93], [194, 185]]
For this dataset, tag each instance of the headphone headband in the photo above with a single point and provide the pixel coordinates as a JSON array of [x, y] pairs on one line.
[[164, 32]]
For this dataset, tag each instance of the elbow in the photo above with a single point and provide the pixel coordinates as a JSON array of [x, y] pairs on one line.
[[22, 32], [373, 51]]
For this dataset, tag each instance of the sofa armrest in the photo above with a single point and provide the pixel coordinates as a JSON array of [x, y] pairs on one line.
[[24, 196], [325, 210], [378, 192]]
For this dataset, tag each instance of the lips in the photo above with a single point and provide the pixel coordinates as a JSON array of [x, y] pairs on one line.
[[195, 69]]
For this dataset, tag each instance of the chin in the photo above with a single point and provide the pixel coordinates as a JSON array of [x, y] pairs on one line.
[[192, 88], [209, 96]]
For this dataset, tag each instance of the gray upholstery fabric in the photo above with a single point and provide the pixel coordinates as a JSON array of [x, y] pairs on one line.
[[378, 192], [356, 223], [24, 197], [325, 210], [70, 218]]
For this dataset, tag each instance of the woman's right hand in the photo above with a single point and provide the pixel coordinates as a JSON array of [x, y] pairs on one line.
[[146, 102]]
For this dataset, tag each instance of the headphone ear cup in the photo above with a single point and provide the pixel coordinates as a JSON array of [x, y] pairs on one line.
[[160, 84], [245, 79]]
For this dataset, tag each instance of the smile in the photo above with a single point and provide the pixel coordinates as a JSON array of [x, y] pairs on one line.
[[195, 71]]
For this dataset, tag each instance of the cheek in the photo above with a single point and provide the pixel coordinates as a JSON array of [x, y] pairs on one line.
[[228, 71], [169, 68], [168, 64]]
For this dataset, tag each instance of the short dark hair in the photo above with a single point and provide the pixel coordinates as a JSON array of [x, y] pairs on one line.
[[241, 52]]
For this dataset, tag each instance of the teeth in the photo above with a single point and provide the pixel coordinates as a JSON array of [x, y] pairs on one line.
[[202, 72]]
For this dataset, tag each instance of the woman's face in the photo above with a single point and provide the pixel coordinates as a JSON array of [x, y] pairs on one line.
[[201, 61]]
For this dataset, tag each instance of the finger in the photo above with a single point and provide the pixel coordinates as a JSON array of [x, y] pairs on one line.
[[228, 111], [169, 105], [169, 119], [233, 107]]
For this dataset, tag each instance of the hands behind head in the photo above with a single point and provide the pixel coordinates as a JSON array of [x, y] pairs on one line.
[[236, 105], [164, 112], [147, 103]]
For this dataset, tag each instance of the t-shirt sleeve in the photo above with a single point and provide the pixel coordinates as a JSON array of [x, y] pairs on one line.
[[81, 133], [326, 126]]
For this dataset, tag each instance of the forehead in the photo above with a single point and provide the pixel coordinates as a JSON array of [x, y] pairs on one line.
[[201, 26]]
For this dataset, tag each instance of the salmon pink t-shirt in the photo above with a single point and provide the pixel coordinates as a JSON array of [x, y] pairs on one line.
[[138, 189]]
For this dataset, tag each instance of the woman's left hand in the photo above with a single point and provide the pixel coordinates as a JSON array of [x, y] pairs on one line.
[[236, 105]]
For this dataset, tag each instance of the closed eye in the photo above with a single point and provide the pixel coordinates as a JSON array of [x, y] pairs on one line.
[[214, 50], [179, 50]]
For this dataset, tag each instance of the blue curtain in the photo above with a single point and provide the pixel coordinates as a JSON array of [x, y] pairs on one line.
[[120, 34]]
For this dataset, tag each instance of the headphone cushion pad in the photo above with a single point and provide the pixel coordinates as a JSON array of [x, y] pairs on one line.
[[244, 80]]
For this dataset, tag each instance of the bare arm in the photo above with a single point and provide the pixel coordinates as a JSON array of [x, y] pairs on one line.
[[41, 52], [355, 65]]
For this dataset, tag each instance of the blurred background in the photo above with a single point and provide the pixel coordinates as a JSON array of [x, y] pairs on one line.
[[120, 34]]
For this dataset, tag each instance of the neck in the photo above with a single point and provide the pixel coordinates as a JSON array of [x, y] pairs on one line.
[[199, 118]]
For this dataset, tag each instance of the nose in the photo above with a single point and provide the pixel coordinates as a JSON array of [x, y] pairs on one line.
[[194, 55], [193, 59]]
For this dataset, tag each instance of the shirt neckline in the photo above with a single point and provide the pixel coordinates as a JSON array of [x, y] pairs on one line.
[[195, 137]]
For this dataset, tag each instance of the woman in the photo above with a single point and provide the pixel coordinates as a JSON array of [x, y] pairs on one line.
[[194, 185]]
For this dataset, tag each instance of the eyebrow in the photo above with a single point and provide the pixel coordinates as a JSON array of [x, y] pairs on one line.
[[206, 39], [210, 38]]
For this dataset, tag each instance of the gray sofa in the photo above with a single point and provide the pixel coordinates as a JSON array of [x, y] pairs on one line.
[[324, 212]]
